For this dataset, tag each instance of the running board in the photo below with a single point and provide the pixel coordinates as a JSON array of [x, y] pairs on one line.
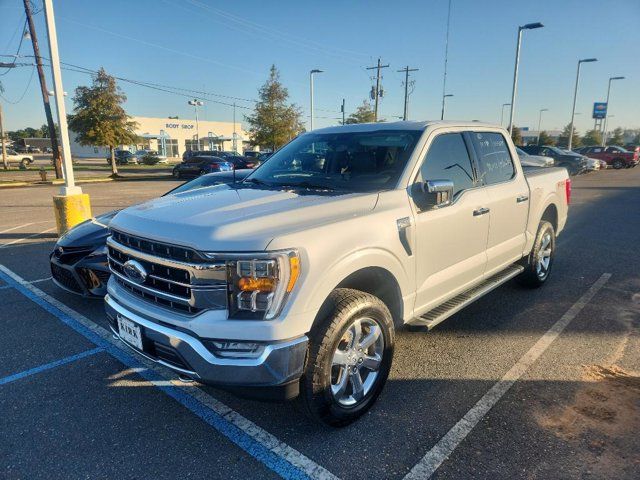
[[433, 317]]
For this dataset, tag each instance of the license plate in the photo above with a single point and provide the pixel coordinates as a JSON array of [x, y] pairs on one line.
[[129, 332]]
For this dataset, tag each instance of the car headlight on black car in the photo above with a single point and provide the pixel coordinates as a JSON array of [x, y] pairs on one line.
[[259, 284]]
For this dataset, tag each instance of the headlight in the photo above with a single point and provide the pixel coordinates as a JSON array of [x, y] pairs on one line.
[[260, 283]]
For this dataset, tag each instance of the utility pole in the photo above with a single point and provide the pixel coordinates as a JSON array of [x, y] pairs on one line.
[[45, 92], [377, 94], [342, 110], [3, 140], [406, 71]]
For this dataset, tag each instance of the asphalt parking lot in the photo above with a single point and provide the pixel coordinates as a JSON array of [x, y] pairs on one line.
[[522, 384]]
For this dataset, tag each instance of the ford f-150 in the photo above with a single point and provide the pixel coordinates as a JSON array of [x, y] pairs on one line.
[[292, 282]]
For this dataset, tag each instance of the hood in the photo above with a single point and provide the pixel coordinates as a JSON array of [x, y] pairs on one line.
[[89, 233], [222, 218]]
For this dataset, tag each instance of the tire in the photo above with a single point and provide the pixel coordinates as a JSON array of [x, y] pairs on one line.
[[536, 269], [327, 392], [176, 173], [24, 163], [202, 172], [618, 164]]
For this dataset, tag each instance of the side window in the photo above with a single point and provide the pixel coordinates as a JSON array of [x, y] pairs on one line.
[[494, 158], [448, 159]]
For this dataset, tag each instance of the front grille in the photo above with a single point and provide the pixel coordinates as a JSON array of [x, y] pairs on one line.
[[184, 287], [65, 278], [166, 279], [158, 249]]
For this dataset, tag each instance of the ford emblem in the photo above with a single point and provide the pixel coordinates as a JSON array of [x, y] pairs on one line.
[[134, 271]]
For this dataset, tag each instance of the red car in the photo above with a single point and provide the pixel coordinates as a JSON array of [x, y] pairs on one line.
[[616, 157]]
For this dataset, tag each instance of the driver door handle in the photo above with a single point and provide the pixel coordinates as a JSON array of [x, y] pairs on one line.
[[522, 198], [480, 211]]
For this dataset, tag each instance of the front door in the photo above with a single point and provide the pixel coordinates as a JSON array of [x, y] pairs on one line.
[[450, 241]]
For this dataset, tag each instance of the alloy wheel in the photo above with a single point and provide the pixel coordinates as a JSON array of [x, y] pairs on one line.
[[544, 256], [356, 361]]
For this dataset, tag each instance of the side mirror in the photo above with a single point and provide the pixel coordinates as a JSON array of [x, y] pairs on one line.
[[434, 194]]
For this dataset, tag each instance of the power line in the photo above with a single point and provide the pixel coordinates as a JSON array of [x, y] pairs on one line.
[[33, 70]]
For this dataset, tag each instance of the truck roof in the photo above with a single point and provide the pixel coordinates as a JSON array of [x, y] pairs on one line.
[[408, 125]]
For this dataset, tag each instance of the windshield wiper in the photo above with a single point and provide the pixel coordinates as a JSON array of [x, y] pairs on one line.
[[305, 184], [257, 181]]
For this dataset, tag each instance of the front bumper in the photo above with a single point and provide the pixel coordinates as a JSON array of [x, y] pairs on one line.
[[280, 364], [87, 277]]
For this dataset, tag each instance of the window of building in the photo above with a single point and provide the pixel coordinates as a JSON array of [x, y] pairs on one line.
[[494, 158], [448, 159]]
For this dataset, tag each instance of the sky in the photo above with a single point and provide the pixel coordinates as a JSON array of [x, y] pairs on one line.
[[226, 48]]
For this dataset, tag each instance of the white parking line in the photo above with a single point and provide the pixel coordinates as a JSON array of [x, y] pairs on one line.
[[39, 280], [16, 228], [281, 450], [26, 238], [447, 444]]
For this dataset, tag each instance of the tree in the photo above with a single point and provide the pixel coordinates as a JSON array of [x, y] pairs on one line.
[[592, 137], [363, 114], [545, 139], [274, 122], [516, 136], [99, 118], [563, 140], [616, 137]]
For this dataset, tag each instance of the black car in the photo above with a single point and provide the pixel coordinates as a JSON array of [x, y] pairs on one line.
[[239, 161], [79, 258], [124, 157], [201, 165], [573, 162]]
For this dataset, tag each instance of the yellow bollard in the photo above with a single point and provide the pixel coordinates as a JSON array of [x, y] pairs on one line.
[[71, 210]]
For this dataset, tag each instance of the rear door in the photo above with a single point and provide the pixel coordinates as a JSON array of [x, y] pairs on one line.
[[450, 240], [508, 198]]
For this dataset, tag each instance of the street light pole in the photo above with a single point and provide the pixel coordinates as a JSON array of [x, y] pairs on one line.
[[315, 70], [69, 187], [575, 96], [604, 128], [502, 112], [443, 104], [528, 26], [539, 123], [196, 103]]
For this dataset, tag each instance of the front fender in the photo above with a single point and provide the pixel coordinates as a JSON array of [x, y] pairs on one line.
[[352, 262]]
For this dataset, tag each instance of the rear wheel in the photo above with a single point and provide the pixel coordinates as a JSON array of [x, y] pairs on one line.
[[538, 263], [349, 359], [618, 164], [176, 173]]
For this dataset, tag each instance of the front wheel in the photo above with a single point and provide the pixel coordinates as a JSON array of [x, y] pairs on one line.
[[176, 173], [537, 265], [349, 359], [618, 164]]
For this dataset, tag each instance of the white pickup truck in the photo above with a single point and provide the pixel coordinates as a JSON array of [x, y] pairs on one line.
[[291, 282]]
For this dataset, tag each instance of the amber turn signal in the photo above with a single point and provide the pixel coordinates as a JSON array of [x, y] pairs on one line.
[[262, 284]]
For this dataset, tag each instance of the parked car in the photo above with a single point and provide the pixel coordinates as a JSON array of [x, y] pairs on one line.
[[617, 157], [34, 150], [292, 282], [201, 165], [48, 150], [193, 153], [151, 153], [239, 161], [573, 162], [535, 161], [630, 147], [79, 258], [15, 158], [252, 154], [124, 157], [21, 149]]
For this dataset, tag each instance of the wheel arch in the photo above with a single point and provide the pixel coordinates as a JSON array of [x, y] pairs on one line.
[[550, 214]]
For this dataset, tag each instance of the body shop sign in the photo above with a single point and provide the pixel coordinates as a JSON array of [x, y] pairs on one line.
[[178, 125]]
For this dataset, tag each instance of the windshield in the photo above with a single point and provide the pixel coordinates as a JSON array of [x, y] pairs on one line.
[[201, 182], [349, 161], [521, 152]]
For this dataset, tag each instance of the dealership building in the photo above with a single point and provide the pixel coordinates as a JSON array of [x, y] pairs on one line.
[[172, 137]]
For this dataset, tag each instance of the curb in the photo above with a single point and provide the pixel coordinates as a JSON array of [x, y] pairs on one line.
[[40, 183]]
